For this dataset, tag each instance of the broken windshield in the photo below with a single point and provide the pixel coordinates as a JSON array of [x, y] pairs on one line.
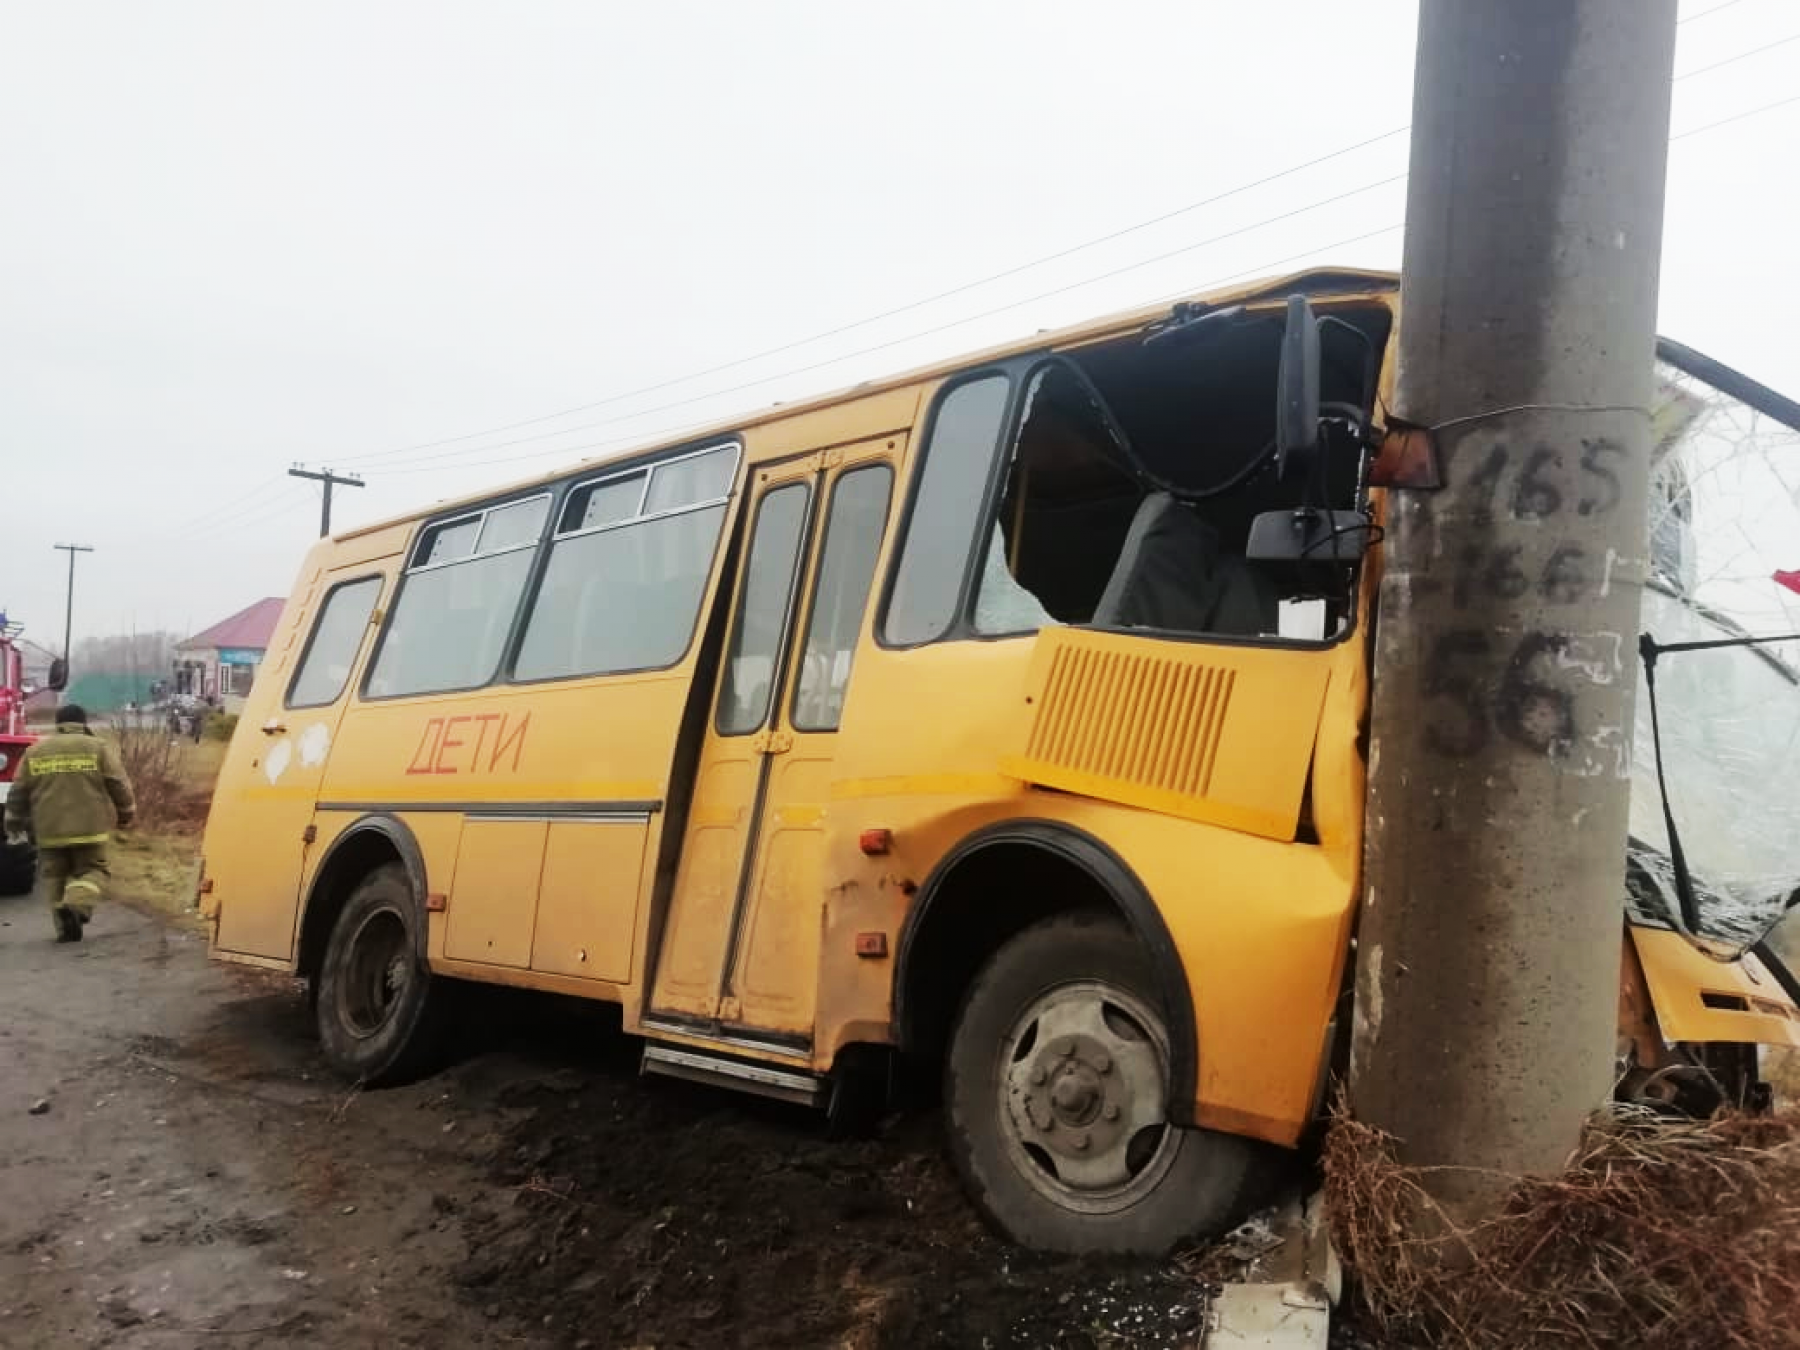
[[1724, 550]]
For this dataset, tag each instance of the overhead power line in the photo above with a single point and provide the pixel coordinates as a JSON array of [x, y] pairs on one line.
[[246, 509], [408, 459], [289, 501], [906, 308], [231, 507], [964, 287], [642, 437], [1741, 56], [921, 333], [1259, 269], [1735, 117], [1707, 13]]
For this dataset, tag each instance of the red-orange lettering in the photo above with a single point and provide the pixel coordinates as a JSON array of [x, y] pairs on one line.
[[481, 739], [427, 749], [446, 745], [515, 739]]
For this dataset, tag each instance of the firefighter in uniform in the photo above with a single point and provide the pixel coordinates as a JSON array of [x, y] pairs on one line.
[[69, 790]]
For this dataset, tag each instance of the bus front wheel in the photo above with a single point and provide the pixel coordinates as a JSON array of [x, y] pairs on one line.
[[381, 1014], [1056, 1095]]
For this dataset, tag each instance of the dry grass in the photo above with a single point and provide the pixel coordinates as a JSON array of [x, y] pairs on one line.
[[1659, 1233], [159, 871], [155, 863], [1781, 1069]]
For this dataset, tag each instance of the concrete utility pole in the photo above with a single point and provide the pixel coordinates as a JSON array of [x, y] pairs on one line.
[[1488, 958], [69, 604], [328, 478]]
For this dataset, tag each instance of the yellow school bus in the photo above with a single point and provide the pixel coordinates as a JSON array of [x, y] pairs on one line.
[[1001, 719]]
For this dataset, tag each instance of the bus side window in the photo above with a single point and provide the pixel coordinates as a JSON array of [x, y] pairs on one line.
[[1066, 504], [769, 578], [456, 604], [945, 516], [853, 531], [336, 638], [628, 569]]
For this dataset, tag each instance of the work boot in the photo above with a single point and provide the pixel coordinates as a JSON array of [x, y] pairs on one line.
[[68, 924]]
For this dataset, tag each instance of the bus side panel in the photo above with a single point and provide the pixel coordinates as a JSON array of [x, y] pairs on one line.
[[1261, 925], [255, 849], [555, 789]]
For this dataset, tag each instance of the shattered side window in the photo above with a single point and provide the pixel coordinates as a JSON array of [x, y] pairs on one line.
[[1724, 536]]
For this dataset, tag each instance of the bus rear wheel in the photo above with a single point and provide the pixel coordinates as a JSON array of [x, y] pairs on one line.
[[380, 1012], [1056, 1095]]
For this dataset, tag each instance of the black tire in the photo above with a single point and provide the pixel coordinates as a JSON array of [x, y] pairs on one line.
[[1112, 1180], [381, 1014], [18, 869]]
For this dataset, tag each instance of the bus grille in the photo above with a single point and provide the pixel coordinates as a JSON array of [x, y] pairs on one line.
[[1214, 732], [1137, 717]]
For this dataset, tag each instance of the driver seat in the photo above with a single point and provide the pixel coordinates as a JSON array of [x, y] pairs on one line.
[[1173, 575]]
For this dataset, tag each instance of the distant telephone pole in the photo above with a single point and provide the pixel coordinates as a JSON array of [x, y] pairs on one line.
[[328, 478], [69, 606], [1488, 953]]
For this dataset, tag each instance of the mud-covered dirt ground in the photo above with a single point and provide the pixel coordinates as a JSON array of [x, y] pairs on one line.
[[198, 1179]]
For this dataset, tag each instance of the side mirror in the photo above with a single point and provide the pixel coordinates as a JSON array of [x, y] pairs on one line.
[[1297, 386], [59, 674], [1309, 535]]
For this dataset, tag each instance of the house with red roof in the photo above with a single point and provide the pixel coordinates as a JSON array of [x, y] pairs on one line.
[[219, 664]]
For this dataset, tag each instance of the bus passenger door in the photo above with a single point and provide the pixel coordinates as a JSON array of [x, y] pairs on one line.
[[740, 953], [256, 853], [732, 775], [772, 980]]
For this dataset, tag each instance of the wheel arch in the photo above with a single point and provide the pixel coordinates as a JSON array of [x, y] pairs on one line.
[[370, 841], [1052, 868]]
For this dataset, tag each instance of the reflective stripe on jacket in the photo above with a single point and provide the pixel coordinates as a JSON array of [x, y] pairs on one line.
[[70, 789]]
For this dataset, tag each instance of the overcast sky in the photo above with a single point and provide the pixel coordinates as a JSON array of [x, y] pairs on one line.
[[236, 236]]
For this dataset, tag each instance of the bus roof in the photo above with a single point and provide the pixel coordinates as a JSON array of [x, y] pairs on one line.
[[1315, 281]]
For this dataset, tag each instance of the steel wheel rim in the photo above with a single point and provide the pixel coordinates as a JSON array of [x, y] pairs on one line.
[[1082, 1097], [377, 972]]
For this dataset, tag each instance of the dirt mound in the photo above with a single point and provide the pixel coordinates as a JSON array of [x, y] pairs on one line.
[[646, 1213]]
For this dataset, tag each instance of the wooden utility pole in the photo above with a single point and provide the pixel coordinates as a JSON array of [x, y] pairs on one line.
[[69, 602], [329, 479], [1488, 954]]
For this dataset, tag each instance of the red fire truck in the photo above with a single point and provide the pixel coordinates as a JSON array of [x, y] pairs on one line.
[[18, 864]]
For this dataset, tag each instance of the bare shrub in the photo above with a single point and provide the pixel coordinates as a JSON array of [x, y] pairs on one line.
[[154, 761], [1659, 1233]]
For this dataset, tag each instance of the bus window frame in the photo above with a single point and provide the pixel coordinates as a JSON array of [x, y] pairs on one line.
[[825, 508], [772, 714], [1019, 370], [350, 680], [961, 627], [480, 516], [508, 672], [426, 528], [558, 492]]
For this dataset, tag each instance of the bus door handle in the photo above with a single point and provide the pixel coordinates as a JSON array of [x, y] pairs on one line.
[[273, 728]]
